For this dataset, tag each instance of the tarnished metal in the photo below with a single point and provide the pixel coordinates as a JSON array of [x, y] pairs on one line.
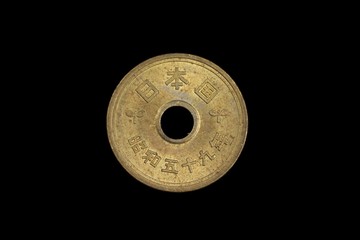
[[136, 133]]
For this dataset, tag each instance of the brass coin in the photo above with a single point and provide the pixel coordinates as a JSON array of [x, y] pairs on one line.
[[135, 122]]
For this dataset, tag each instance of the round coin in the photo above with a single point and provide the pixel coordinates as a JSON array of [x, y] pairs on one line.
[[177, 122]]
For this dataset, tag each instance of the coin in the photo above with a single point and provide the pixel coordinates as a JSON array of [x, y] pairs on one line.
[[211, 113]]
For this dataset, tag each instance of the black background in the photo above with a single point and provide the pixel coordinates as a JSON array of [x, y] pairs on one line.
[[77, 62]]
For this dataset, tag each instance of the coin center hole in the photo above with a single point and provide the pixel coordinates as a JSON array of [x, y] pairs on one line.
[[177, 122]]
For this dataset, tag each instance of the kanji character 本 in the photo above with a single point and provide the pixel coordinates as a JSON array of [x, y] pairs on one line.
[[176, 78]]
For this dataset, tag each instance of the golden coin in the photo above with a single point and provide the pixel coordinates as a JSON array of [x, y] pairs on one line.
[[163, 96]]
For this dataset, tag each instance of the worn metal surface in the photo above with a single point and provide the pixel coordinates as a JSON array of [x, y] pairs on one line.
[[136, 134]]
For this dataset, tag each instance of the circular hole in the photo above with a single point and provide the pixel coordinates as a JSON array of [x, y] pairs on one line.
[[177, 122]]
